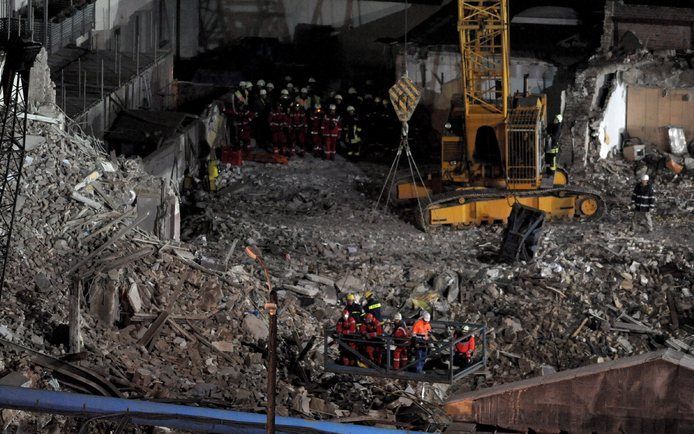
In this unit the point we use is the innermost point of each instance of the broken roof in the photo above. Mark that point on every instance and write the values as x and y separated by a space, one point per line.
143 126
646 393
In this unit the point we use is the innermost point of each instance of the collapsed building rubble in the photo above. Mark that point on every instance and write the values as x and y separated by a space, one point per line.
184 321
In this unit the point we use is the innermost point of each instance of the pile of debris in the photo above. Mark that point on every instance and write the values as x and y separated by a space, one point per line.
595 292
136 316
184 321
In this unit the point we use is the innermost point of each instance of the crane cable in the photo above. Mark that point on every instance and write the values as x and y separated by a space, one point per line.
415 174
404 147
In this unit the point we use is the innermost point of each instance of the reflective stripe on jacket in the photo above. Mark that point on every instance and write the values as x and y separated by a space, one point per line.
643 197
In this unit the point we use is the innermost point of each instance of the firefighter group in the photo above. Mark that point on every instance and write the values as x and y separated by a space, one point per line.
366 337
295 120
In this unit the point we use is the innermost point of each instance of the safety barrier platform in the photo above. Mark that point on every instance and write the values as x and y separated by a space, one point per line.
441 365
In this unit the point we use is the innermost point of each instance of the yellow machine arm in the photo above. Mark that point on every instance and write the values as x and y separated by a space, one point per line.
484 46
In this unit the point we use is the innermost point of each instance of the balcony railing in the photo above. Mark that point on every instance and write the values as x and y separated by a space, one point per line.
61 31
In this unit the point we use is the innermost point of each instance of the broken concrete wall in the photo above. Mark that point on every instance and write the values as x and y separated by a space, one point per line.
433 68
41 87
656 27
613 123
593 109
436 70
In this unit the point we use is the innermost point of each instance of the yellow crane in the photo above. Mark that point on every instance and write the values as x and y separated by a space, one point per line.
492 149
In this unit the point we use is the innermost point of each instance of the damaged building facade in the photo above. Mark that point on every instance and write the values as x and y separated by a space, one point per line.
638 91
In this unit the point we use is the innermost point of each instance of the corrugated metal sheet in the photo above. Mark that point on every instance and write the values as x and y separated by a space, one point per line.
650 393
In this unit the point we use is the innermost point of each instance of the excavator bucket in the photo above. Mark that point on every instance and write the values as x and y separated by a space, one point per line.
522 234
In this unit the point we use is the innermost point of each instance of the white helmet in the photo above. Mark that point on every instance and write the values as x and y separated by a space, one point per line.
351 91
249 85
290 86
270 86
397 317
466 328
645 177
558 118
284 92
287 78
242 85
350 108
338 96
311 80
377 99
260 83
332 107
304 90
263 92
426 316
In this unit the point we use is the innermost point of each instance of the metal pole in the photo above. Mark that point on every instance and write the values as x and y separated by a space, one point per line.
30 19
79 76
62 88
104 120
45 25
271 307
137 68
178 30
84 95
272 364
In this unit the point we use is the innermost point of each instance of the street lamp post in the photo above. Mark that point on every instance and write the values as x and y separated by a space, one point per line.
271 308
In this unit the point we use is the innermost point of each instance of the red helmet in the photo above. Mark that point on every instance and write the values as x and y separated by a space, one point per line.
369 318
345 313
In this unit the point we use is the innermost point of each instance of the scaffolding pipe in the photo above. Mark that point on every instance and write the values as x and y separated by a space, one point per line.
174 416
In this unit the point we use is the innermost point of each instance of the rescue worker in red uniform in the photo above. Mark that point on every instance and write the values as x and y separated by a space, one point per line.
371 329
347 327
297 128
465 349
331 128
315 122
402 340
279 122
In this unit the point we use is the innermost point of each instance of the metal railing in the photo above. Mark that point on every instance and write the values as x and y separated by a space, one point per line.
440 362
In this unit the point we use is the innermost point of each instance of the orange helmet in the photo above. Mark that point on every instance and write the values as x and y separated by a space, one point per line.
369 318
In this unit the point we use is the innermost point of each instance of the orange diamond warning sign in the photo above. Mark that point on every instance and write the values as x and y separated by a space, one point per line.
404 95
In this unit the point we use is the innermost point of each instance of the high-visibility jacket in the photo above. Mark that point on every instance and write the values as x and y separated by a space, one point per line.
466 347
355 310
643 197
346 326
372 330
373 307
212 169
421 328
551 157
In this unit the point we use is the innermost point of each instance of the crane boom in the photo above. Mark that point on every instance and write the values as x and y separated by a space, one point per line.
484 46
